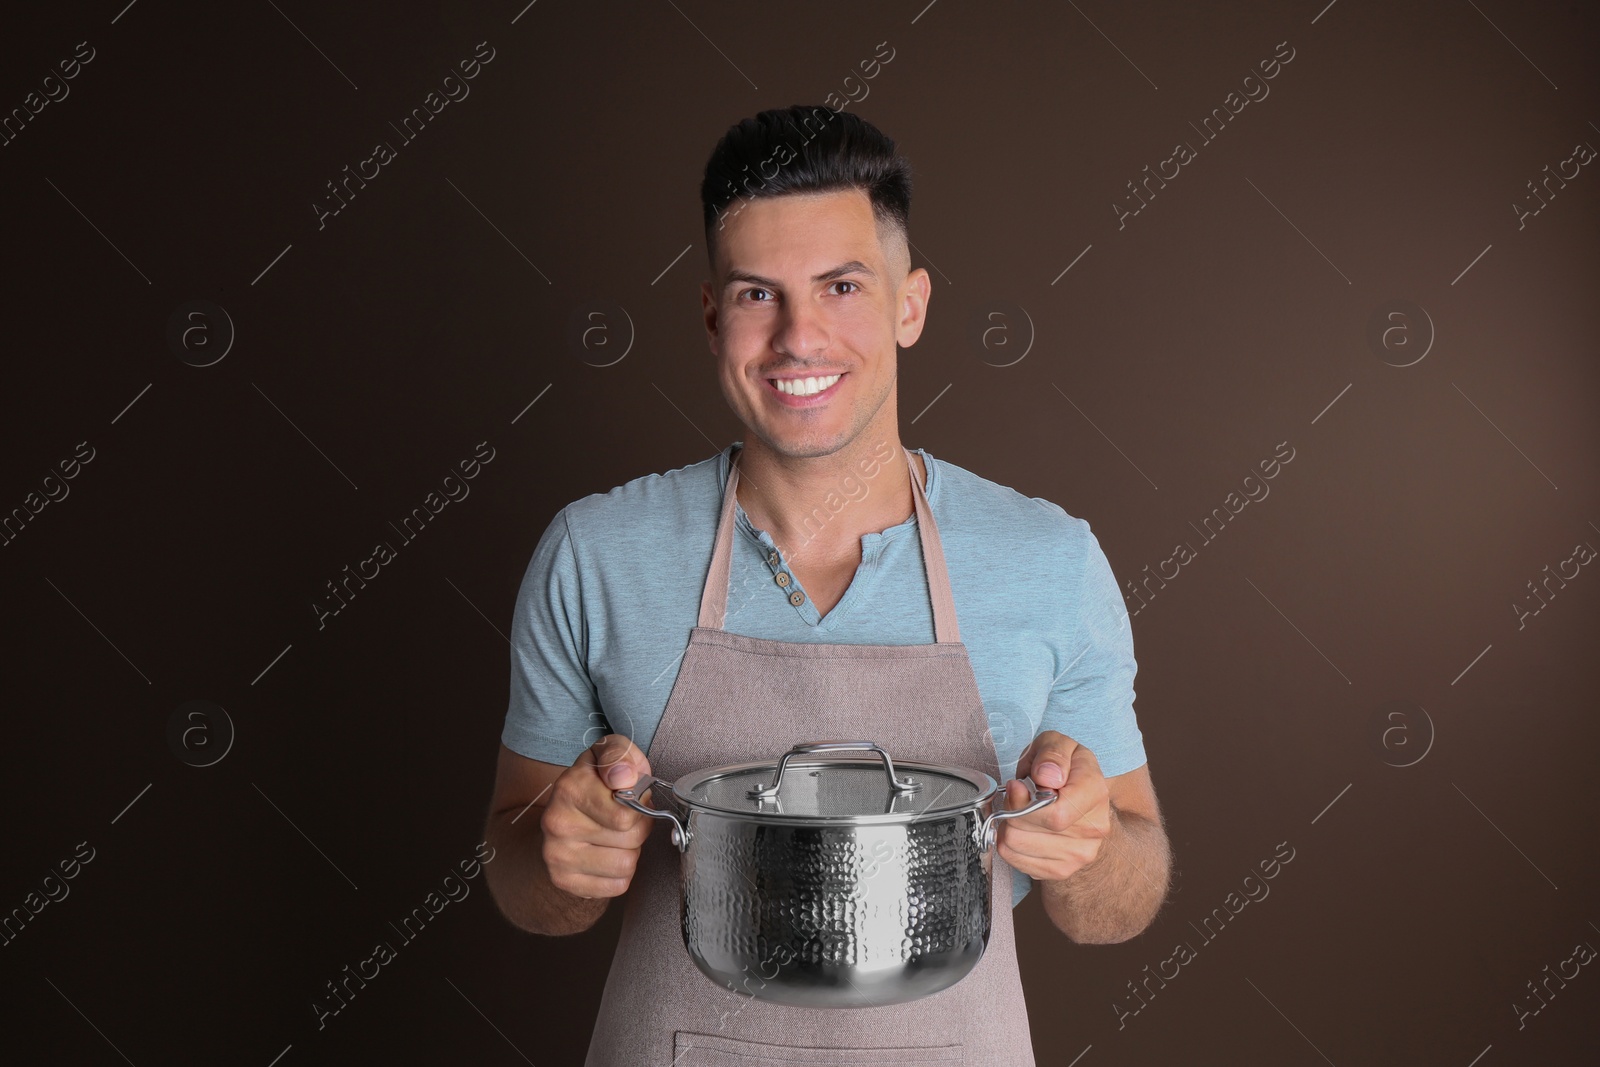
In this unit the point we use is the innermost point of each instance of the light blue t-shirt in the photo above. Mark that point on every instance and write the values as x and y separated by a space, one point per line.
607 602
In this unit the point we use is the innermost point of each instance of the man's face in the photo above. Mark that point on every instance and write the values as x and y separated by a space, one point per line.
806 288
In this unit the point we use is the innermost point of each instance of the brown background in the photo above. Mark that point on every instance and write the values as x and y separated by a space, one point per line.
378 351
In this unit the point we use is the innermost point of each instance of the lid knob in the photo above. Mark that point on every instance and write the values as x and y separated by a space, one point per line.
770 792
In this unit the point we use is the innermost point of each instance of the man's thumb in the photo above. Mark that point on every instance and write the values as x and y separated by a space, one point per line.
619 761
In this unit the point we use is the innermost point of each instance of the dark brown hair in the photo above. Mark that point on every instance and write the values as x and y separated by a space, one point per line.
804 149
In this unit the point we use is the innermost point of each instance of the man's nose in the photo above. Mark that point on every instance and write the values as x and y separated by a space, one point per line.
802 329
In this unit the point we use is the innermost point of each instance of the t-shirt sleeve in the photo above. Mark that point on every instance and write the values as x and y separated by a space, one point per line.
1092 700
553 713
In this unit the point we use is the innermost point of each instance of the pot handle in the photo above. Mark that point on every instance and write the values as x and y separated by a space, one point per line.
1040 798
770 792
630 797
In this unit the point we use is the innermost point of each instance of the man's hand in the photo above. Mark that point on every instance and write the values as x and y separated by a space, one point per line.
591 842
1059 839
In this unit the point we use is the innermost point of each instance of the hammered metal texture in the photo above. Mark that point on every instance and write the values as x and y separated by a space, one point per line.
846 916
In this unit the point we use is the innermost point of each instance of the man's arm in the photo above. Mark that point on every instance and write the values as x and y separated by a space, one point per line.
520 883
564 847
568 846
1117 894
1100 852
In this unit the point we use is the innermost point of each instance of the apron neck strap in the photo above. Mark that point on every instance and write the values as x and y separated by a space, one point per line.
714 598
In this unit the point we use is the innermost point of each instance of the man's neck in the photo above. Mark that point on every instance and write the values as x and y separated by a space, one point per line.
818 509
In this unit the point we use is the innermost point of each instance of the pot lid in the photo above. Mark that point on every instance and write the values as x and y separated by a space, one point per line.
837 782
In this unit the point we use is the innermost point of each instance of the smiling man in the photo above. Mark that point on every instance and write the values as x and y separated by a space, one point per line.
700 617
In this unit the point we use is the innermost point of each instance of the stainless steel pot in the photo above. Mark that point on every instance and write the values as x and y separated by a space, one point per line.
832 880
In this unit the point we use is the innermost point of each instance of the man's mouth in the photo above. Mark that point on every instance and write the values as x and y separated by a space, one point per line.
804 387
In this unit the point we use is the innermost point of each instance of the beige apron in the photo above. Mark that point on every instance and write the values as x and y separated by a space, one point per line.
741 698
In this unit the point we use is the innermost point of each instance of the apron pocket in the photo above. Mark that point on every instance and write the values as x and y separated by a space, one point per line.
711 1050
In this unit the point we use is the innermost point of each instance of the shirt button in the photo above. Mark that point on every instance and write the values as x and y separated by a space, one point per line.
781 578
773 558
797 598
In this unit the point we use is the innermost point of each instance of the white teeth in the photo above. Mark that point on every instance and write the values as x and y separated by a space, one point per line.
804 386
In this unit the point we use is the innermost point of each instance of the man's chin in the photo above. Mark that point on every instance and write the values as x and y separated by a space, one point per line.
803 446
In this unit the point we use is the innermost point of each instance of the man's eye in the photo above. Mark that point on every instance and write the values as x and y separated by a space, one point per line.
855 287
750 292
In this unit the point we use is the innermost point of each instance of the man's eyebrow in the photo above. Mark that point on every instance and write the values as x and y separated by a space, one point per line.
854 266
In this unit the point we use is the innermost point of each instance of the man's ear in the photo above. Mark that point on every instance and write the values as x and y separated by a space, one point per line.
913 307
708 314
